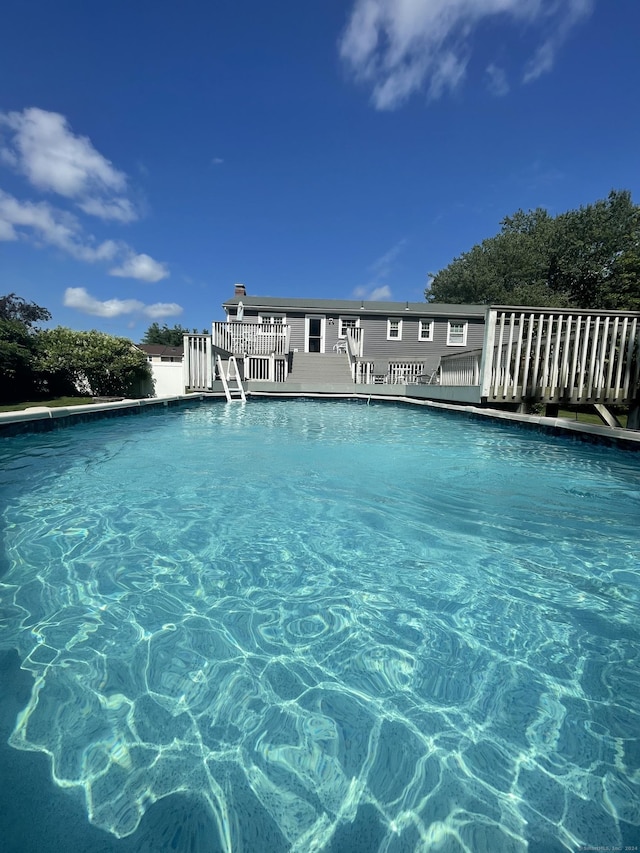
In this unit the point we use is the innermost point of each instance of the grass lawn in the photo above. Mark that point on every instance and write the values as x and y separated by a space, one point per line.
59 401
589 417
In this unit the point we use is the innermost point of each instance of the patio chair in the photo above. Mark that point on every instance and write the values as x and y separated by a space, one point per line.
431 375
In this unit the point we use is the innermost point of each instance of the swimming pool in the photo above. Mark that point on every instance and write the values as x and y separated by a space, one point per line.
324 627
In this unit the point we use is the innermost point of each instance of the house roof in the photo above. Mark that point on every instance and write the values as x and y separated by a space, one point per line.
357 306
161 350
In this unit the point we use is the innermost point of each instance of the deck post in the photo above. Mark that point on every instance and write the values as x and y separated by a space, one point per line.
487 352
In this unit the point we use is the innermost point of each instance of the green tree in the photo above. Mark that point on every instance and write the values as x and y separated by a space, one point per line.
18 339
170 337
92 363
585 258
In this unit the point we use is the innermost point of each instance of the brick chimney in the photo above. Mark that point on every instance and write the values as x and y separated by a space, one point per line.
240 290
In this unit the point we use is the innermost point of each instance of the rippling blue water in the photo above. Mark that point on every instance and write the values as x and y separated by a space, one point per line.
340 627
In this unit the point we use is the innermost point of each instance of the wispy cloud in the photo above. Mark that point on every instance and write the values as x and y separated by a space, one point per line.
51 226
496 80
373 294
383 265
377 290
217 161
401 47
41 146
43 224
542 61
378 294
78 298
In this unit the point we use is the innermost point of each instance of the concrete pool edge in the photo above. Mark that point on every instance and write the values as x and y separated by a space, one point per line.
42 418
39 418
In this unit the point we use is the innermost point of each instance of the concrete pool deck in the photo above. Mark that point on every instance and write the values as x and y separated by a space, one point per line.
41 418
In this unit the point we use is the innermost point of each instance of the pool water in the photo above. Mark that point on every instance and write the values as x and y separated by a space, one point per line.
326 626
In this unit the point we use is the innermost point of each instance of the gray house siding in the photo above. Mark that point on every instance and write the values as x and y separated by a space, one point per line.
373 321
409 348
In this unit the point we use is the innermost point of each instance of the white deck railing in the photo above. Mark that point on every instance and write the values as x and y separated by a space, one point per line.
252 338
354 339
405 372
263 368
554 355
198 370
461 369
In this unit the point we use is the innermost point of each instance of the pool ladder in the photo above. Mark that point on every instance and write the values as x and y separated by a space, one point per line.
230 389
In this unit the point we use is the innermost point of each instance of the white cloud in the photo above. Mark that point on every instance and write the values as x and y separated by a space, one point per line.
119 209
162 309
46 224
496 80
379 294
544 58
400 47
42 223
373 294
141 267
381 268
383 265
43 148
217 161
78 298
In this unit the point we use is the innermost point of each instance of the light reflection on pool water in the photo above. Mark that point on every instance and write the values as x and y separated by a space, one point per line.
342 627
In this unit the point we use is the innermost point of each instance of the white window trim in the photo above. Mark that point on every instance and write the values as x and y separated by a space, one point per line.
464 325
341 331
429 336
391 337
268 318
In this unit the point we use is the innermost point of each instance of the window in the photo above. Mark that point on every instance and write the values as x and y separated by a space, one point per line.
347 323
273 319
425 330
394 330
457 334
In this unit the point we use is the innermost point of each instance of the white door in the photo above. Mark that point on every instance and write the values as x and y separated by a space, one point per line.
314 331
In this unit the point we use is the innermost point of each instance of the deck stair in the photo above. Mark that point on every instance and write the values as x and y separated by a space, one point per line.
310 369
231 381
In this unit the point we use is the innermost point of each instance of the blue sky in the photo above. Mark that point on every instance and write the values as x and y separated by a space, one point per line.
152 154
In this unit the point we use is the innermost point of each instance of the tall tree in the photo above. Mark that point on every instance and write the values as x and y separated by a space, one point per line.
18 337
585 258
169 337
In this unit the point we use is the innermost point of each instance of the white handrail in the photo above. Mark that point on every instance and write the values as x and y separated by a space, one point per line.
252 338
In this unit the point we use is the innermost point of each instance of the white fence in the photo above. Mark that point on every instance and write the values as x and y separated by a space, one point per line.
168 378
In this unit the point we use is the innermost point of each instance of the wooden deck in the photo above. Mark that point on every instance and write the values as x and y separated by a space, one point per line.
529 356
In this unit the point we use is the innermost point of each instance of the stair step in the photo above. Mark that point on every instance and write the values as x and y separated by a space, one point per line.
320 368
